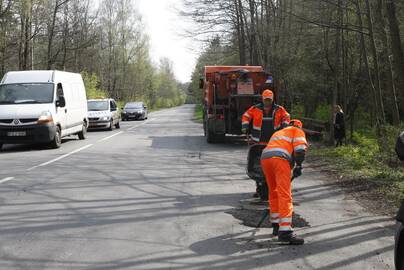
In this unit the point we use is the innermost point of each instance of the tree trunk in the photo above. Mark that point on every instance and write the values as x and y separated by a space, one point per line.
366 60
385 64
379 97
240 31
337 70
397 50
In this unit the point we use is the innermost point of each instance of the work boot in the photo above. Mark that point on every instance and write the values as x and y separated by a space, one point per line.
290 238
275 229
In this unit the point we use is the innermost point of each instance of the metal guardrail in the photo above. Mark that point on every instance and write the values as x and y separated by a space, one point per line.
314 128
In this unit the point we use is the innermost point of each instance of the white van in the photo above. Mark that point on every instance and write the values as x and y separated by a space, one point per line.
42 107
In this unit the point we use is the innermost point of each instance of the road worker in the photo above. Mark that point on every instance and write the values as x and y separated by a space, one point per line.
266 118
286 148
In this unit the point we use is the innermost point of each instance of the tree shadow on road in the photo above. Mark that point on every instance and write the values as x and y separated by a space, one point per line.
196 143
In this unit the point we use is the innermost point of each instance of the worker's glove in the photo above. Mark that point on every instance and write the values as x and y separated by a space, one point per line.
297 171
244 130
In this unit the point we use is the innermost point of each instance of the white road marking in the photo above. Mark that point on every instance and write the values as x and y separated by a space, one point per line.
109 137
78 150
6 179
61 157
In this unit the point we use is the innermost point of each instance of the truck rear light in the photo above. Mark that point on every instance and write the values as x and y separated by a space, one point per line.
220 116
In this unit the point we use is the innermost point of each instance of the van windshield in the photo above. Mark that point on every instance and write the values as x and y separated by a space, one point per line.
98 105
26 93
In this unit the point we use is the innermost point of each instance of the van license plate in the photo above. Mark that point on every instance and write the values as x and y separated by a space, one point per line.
17 134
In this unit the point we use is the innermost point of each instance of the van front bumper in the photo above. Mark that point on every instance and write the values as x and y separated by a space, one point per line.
27 134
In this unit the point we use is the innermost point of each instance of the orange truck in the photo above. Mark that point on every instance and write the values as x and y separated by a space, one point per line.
228 92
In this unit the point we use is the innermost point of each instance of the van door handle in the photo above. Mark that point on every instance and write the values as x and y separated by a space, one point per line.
65 110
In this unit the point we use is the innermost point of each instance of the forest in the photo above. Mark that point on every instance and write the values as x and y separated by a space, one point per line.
104 40
321 53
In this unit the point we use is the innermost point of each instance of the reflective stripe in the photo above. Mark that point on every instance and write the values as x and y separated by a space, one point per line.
257 128
281 138
276 152
300 139
245 123
255 134
274 220
285 228
247 115
286 220
274 215
300 147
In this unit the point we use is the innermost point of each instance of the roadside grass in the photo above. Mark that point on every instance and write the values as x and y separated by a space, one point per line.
367 163
198 114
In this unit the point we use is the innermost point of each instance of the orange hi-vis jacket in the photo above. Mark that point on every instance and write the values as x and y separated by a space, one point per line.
285 144
279 118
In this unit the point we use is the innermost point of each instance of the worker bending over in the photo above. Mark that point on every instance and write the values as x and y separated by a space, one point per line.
286 148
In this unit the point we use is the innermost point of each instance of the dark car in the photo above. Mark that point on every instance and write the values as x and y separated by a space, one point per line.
399 250
134 110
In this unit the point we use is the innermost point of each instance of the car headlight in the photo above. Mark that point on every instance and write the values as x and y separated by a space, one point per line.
105 118
124 112
45 118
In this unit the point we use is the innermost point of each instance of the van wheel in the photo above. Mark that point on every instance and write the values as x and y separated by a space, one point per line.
83 132
111 125
1 146
57 141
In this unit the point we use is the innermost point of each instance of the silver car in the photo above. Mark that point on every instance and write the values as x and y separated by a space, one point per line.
103 114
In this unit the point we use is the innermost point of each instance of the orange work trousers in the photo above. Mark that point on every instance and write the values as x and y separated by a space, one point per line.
278 176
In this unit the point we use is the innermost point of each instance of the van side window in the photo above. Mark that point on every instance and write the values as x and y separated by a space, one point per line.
59 91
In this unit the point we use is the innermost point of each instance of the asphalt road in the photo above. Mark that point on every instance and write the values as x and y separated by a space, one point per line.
155 195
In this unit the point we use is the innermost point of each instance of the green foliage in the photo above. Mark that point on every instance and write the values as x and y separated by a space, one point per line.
297 111
365 160
323 112
105 42
198 114
215 54
92 82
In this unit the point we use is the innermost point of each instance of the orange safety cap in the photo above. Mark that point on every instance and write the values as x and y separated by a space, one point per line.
268 94
296 123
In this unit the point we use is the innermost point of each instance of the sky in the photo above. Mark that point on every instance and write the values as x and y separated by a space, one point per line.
165 28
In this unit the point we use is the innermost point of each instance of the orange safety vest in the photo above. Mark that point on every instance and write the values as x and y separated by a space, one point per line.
280 117
285 143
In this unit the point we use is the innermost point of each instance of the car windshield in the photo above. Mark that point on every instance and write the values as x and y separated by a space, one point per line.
98 105
134 106
26 93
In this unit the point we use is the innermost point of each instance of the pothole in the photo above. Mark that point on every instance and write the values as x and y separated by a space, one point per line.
251 217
